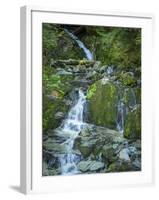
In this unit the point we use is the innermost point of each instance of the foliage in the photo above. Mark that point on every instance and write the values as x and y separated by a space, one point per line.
57 44
115 45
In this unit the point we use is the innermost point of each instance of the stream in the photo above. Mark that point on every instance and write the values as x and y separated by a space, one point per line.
72 127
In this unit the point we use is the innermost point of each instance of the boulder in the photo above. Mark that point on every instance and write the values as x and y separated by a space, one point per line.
128 79
102 108
120 166
109 153
91 166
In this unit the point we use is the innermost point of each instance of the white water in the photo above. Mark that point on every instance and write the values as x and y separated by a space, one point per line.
122 111
72 127
120 120
87 52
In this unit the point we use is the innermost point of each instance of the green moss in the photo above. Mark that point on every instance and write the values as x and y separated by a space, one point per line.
119 167
91 91
127 79
55 87
133 124
58 45
102 104
50 108
138 95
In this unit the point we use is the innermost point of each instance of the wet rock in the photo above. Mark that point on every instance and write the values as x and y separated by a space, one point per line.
103 69
85 166
128 79
59 115
120 166
137 144
45 170
54 147
91 74
124 155
109 153
133 124
64 72
137 164
103 98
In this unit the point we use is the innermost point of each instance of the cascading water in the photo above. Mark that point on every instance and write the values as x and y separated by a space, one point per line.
87 52
123 109
74 121
120 117
72 127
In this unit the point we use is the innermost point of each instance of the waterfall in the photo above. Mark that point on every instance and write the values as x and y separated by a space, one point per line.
87 52
74 121
120 117
72 127
122 109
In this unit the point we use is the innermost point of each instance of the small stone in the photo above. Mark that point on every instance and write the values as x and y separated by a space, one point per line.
59 115
123 155
90 166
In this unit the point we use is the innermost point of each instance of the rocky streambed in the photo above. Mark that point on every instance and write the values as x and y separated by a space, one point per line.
108 138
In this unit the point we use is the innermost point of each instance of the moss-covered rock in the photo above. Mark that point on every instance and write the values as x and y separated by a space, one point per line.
103 97
109 152
50 108
133 124
120 166
55 88
127 79
58 45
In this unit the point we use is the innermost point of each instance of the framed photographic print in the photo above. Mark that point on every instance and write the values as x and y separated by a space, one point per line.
86 115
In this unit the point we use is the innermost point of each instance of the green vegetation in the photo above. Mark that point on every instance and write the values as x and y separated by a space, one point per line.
58 45
115 46
55 87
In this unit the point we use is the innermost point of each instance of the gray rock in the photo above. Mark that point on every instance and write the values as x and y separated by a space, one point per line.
63 72
137 163
54 147
91 74
108 153
103 68
59 115
124 155
85 166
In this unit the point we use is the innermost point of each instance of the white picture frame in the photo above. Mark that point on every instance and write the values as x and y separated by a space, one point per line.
31 82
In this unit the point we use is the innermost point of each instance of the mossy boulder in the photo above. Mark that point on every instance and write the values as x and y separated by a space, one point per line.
120 166
128 79
133 124
103 97
109 153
